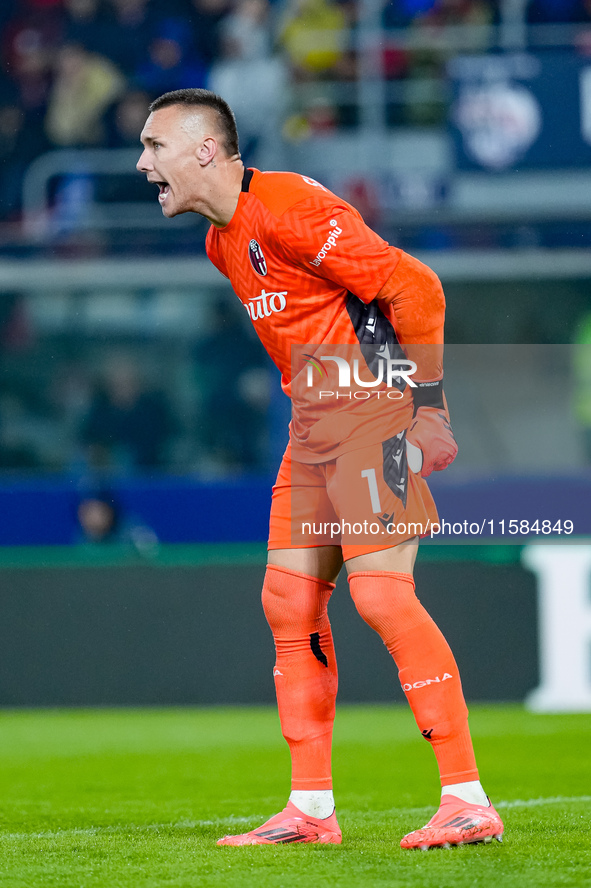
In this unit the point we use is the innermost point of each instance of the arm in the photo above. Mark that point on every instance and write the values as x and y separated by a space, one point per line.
413 300
328 239
409 294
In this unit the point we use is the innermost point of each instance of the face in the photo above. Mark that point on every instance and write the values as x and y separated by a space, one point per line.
172 159
96 517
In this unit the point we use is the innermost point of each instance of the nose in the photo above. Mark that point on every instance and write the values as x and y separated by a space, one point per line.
143 165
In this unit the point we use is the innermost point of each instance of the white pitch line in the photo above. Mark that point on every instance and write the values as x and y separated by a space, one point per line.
536 803
131 827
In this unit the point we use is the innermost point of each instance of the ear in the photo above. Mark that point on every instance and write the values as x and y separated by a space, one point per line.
207 150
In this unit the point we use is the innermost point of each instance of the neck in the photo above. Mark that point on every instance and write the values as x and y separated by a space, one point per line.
224 192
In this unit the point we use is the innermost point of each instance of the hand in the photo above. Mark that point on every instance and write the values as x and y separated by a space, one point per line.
430 431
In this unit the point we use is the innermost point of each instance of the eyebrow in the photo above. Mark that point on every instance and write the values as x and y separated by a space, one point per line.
147 139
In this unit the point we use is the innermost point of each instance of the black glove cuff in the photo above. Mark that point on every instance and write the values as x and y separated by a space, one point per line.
428 394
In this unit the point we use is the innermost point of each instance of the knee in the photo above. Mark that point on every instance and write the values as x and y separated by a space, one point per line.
278 607
386 601
371 610
295 603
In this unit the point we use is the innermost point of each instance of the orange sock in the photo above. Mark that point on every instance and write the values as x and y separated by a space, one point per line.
426 667
305 671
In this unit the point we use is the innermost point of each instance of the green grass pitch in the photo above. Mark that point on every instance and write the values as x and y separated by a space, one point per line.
138 798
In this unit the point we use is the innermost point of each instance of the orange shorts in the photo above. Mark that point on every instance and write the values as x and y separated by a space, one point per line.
363 501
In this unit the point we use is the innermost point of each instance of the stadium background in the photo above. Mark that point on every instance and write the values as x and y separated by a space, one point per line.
140 424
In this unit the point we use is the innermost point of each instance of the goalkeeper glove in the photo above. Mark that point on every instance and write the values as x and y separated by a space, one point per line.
430 429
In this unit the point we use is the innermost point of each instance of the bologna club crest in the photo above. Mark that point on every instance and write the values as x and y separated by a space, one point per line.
257 260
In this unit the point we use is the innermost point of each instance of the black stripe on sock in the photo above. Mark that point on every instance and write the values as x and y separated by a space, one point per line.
316 649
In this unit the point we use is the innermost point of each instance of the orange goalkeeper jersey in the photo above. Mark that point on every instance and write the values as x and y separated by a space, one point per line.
307 270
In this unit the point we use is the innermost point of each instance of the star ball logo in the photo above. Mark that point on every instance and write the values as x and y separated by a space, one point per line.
257 259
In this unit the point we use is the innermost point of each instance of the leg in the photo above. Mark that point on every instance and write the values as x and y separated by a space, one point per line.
298 584
297 587
295 604
382 588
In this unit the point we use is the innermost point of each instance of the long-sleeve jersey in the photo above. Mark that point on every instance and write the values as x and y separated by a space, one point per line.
308 271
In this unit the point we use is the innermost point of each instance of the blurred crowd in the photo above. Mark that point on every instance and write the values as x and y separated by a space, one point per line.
81 73
93 407
100 407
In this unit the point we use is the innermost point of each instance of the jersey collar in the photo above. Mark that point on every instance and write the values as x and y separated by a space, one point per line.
246 179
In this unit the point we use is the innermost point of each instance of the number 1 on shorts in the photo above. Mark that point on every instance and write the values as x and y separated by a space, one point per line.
374 493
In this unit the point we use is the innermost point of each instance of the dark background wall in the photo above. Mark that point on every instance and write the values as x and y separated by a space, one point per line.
152 634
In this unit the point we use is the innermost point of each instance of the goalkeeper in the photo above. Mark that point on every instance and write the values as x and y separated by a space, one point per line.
355 327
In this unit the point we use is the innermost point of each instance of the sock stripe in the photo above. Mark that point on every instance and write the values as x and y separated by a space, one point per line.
316 649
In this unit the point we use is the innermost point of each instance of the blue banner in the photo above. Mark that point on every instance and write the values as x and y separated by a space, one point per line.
521 110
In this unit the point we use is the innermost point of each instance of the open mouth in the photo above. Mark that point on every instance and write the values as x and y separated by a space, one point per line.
164 188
